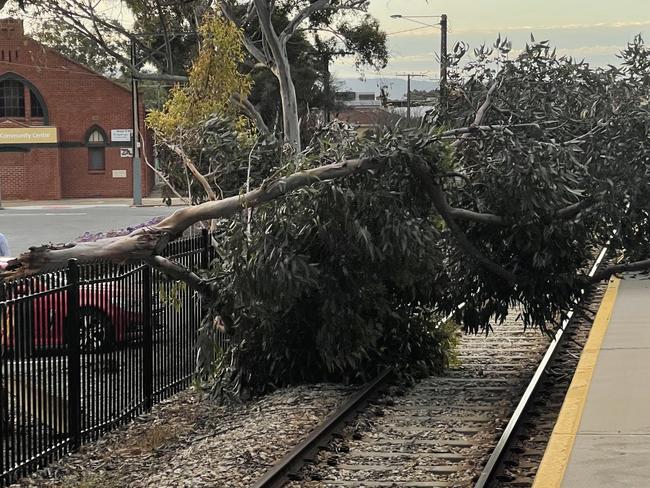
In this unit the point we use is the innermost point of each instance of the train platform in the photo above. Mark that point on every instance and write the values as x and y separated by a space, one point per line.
602 435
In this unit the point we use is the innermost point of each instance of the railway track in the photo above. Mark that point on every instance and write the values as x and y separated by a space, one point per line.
440 431
484 424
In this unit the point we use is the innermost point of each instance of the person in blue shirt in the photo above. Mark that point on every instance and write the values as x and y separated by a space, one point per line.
4 246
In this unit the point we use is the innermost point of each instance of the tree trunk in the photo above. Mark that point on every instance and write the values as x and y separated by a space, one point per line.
282 71
290 119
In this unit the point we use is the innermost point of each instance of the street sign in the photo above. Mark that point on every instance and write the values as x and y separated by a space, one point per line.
121 135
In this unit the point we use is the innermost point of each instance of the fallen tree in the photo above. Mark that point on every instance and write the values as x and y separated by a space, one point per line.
547 158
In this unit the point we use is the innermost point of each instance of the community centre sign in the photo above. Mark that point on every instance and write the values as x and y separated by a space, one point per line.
28 135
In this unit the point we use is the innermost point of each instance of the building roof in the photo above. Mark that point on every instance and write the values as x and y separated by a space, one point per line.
366 117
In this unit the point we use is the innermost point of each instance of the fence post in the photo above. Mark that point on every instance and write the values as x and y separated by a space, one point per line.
147 342
205 248
73 325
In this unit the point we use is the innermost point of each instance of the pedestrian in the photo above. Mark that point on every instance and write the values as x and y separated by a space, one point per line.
4 246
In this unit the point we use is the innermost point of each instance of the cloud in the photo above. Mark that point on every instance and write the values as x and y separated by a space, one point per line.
534 28
433 31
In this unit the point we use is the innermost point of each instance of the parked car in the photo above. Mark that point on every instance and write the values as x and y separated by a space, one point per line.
109 314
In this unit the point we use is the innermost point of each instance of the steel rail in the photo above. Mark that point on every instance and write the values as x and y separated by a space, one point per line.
494 462
279 474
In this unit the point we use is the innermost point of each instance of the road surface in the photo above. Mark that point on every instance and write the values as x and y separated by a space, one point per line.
35 225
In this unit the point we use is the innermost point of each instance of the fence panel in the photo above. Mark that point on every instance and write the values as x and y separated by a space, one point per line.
88 348
34 423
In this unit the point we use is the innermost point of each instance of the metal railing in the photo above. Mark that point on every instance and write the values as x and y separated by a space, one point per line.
88 348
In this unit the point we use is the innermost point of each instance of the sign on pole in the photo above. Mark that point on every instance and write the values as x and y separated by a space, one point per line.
121 135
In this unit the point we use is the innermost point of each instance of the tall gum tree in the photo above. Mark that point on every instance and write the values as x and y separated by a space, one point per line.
270 25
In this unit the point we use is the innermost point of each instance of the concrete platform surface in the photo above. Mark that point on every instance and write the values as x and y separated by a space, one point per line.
602 438
612 445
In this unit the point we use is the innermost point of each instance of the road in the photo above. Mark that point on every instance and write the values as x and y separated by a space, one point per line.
35 225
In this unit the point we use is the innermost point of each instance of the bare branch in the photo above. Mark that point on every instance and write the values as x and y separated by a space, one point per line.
194 170
300 17
159 77
482 111
178 272
481 218
572 210
161 175
465 132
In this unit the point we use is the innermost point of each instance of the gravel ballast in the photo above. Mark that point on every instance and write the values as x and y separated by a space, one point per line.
190 441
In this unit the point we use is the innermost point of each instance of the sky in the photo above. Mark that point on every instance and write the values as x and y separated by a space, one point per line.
593 30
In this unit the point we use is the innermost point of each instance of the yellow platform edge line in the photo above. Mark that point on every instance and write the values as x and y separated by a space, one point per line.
558 451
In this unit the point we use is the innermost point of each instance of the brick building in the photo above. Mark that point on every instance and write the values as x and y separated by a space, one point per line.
65 131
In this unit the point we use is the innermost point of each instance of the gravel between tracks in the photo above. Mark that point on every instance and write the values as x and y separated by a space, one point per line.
189 441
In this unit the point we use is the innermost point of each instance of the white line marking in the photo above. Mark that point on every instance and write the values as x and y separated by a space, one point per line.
42 214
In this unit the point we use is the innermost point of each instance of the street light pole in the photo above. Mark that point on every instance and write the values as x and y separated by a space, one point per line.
443 66
443 52
137 169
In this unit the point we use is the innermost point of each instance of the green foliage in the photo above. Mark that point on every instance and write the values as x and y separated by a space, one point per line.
223 153
342 278
334 282
586 147
213 78
367 41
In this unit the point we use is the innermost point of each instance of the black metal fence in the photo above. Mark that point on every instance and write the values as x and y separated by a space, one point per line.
87 348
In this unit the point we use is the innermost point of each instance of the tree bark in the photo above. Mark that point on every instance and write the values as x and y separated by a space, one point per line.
290 120
282 71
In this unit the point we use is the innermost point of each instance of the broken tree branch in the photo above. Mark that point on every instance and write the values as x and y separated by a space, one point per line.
179 272
423 173
146 242
616 269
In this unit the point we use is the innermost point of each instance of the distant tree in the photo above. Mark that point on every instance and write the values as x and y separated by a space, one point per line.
270 29
67 40
421 95
106 29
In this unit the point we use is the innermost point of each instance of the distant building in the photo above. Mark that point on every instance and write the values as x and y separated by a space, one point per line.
65 131
363 111
358 99
365 120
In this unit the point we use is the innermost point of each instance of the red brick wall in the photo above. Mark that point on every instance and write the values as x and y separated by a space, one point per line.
12 174
76 99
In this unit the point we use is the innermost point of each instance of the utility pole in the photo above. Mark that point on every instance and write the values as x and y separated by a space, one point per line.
137 169
443 66
408 93
327 57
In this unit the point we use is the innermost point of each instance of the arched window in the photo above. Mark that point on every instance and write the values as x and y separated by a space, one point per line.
96 142
12 99
16 95
36 107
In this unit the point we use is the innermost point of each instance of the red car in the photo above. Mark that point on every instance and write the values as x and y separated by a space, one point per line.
108 315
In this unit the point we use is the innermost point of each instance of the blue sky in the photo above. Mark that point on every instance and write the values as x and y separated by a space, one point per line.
593 30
